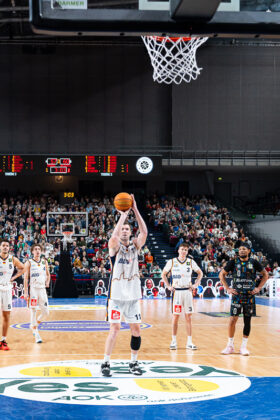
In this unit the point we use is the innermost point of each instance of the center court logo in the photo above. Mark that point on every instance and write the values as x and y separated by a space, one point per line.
80 382
76 326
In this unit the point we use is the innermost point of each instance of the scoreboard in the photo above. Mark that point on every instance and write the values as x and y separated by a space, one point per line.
79 165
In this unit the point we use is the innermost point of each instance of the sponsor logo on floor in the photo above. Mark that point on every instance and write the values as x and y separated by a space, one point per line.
76 326
80 382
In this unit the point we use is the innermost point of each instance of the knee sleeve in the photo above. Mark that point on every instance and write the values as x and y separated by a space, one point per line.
33 318
135 343
247 326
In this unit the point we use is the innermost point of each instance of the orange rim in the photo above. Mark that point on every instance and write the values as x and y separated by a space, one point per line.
169 38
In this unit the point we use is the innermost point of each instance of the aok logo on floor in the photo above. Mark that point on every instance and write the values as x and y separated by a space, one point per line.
80 382
76 326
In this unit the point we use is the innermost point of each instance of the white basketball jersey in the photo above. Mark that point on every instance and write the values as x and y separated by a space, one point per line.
6 271
181 272
125 280
38 273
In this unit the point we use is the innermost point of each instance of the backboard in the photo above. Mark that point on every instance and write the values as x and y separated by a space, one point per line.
67 221
232 18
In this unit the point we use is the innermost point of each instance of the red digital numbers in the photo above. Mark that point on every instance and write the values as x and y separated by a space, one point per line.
16 164
101 164
60 166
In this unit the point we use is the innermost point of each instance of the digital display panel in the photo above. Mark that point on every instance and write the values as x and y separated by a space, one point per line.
58 166
106 164
83 165
16 164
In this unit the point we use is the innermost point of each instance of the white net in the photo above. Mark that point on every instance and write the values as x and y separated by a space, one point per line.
173 59
67 239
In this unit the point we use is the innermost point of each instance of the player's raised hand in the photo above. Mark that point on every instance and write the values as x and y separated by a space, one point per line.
125 213
134 205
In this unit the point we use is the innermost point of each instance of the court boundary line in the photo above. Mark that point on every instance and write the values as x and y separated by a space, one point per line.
162 354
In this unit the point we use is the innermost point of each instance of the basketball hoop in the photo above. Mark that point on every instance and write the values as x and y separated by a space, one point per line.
67 238
174 59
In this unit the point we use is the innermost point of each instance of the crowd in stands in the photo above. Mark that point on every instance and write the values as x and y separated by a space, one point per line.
209 230
23 222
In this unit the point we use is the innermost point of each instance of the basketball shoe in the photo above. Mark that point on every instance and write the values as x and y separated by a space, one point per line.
191 346
228 350
38 339
173 345
135 368
4 346
244 351
105 369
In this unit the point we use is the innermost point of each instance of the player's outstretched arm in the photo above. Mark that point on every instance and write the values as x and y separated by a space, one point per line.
143 231
20 269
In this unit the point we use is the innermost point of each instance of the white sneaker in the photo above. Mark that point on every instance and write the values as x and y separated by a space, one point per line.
244 352
228 350
173 345
191 346
38 338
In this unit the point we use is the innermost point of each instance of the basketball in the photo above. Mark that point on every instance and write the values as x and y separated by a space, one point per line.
123 201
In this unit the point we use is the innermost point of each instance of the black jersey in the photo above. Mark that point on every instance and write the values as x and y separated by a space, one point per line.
244 273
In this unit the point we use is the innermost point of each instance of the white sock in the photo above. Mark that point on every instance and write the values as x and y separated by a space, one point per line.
174 338
230 341
134 357
106 358
244 342
189 340
3 338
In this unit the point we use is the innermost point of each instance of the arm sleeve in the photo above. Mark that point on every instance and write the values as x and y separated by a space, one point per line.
168 266
229 266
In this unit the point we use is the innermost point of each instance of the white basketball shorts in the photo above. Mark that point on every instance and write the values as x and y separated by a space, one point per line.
182 299
38 297
6 298
130 309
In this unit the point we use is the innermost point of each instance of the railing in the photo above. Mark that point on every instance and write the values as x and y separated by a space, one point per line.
253 158
178 156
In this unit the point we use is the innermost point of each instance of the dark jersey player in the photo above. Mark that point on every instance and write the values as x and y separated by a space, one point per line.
244 271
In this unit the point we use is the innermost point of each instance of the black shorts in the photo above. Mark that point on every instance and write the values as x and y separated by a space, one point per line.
243 304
